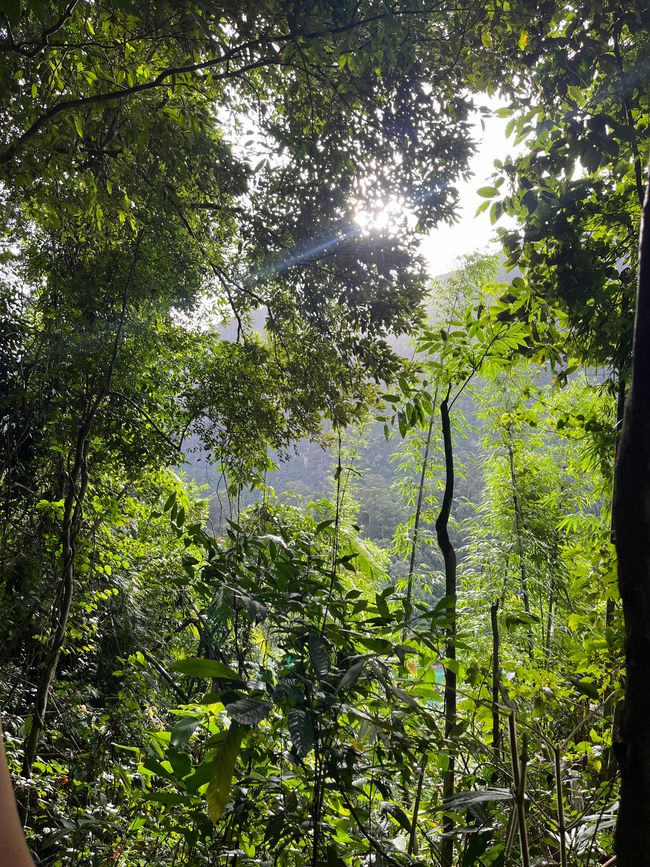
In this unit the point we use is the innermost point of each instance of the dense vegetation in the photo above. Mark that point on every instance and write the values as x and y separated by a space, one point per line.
417 654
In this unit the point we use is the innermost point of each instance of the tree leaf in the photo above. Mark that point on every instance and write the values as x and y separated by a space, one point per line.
196 667
318 655
398 814
183 730
529 201
249 711
301 731
351 675
487 192
222 771
463 800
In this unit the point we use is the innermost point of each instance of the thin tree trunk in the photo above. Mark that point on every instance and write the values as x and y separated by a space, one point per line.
518 526
413 847
559 791
519 768
72 514
632 533
550 617
449 556
496 682
418 511
76 486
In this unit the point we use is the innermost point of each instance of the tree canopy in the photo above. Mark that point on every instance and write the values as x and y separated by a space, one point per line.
425 658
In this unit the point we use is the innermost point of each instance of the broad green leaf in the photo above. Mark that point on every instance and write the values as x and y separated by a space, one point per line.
529 201
249 711
183 730
301 731
487 192
223 769
398 814
196 667
169 799
318 655
200 777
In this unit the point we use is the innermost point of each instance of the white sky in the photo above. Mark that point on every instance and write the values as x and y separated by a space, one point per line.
447 243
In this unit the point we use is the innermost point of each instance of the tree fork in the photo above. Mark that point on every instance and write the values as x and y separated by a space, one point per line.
632 533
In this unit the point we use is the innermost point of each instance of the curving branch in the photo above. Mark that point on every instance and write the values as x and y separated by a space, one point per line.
266 43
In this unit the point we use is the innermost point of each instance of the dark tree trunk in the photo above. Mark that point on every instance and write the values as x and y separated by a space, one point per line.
518 525
496 684
632 533
73 507
449 556
418 513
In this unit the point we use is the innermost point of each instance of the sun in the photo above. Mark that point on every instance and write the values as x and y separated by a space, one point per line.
389 215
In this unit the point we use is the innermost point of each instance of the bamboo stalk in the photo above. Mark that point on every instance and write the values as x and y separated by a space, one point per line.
519 786
560 806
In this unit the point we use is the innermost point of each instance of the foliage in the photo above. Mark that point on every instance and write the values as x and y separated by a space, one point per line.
182 268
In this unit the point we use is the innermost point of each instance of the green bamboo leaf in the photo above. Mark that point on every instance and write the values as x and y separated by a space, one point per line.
463 800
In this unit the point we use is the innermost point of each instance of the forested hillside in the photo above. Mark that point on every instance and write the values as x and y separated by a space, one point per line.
307 558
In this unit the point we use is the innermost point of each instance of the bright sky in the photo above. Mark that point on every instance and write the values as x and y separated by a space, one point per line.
447 243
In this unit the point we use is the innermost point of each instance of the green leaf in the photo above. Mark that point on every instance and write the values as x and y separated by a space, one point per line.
591 158
183 730
318 655
495 212
196 667
201 776
575 93
301 731
169 799
487 192
274 828
249 711
398 814
529 201
222 772
181 763
523 619
158 768
463 800
351 675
